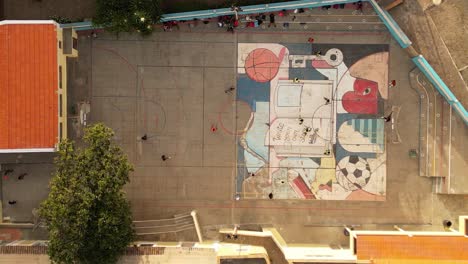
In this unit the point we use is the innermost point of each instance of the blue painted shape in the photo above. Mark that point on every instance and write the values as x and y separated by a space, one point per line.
298 48
379 133
375 133
289 95
366 131
257 133
370 128
251 91
443 89
361 126
241 169
374 128
357 125
80 26
252 163
307 73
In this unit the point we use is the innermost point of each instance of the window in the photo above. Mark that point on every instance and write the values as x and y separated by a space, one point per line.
60 106
60 77
75 43
60 131
60 44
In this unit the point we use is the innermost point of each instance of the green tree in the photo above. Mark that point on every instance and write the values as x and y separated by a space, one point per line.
127 15
86 213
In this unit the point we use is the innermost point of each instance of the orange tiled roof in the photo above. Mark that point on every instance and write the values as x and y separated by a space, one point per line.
28 84
412 248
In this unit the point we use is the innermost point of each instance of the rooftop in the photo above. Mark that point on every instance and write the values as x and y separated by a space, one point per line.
28 84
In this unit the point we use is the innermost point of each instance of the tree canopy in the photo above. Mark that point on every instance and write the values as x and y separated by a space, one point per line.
127 15
86 213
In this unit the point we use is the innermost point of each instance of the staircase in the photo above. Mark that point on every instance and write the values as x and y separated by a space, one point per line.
178 223
437 123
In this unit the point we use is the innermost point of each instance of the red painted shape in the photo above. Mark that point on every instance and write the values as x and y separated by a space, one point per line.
302 187
325 187
262 65
363 100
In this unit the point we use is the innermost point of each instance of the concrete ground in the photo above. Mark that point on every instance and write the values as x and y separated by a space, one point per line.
171 85
30 191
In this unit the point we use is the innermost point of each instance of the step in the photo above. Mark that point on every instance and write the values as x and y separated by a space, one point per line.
434 132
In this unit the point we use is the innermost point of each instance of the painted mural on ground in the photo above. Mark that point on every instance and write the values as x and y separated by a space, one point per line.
315 129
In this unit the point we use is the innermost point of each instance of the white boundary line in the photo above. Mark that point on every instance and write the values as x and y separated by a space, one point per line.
31 150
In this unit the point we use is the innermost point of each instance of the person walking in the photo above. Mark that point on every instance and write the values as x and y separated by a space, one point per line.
387 118
313 137
272 20
230 90
6 173
359 6
21 176
164 157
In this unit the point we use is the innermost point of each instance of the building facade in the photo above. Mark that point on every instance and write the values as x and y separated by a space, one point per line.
33 84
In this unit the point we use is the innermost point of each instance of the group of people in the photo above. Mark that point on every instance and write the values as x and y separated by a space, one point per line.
20 177
358 5
232 21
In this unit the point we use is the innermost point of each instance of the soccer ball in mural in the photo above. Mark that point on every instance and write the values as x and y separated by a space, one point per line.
353 173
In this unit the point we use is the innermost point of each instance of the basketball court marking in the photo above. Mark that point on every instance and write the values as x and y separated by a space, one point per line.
290 101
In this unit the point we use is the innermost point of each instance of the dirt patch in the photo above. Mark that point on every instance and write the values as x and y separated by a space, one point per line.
451 23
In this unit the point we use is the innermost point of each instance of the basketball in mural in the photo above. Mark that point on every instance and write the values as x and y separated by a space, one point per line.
261 65
353 173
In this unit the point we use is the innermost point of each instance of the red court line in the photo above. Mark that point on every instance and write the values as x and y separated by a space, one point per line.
220 119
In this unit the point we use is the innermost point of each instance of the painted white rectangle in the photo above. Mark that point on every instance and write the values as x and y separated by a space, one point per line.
32 150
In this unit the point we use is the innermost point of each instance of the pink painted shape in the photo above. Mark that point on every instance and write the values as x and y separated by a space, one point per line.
361 101
281 55
320 64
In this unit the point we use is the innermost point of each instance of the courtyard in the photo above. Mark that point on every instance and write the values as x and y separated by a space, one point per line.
174 87
281 127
